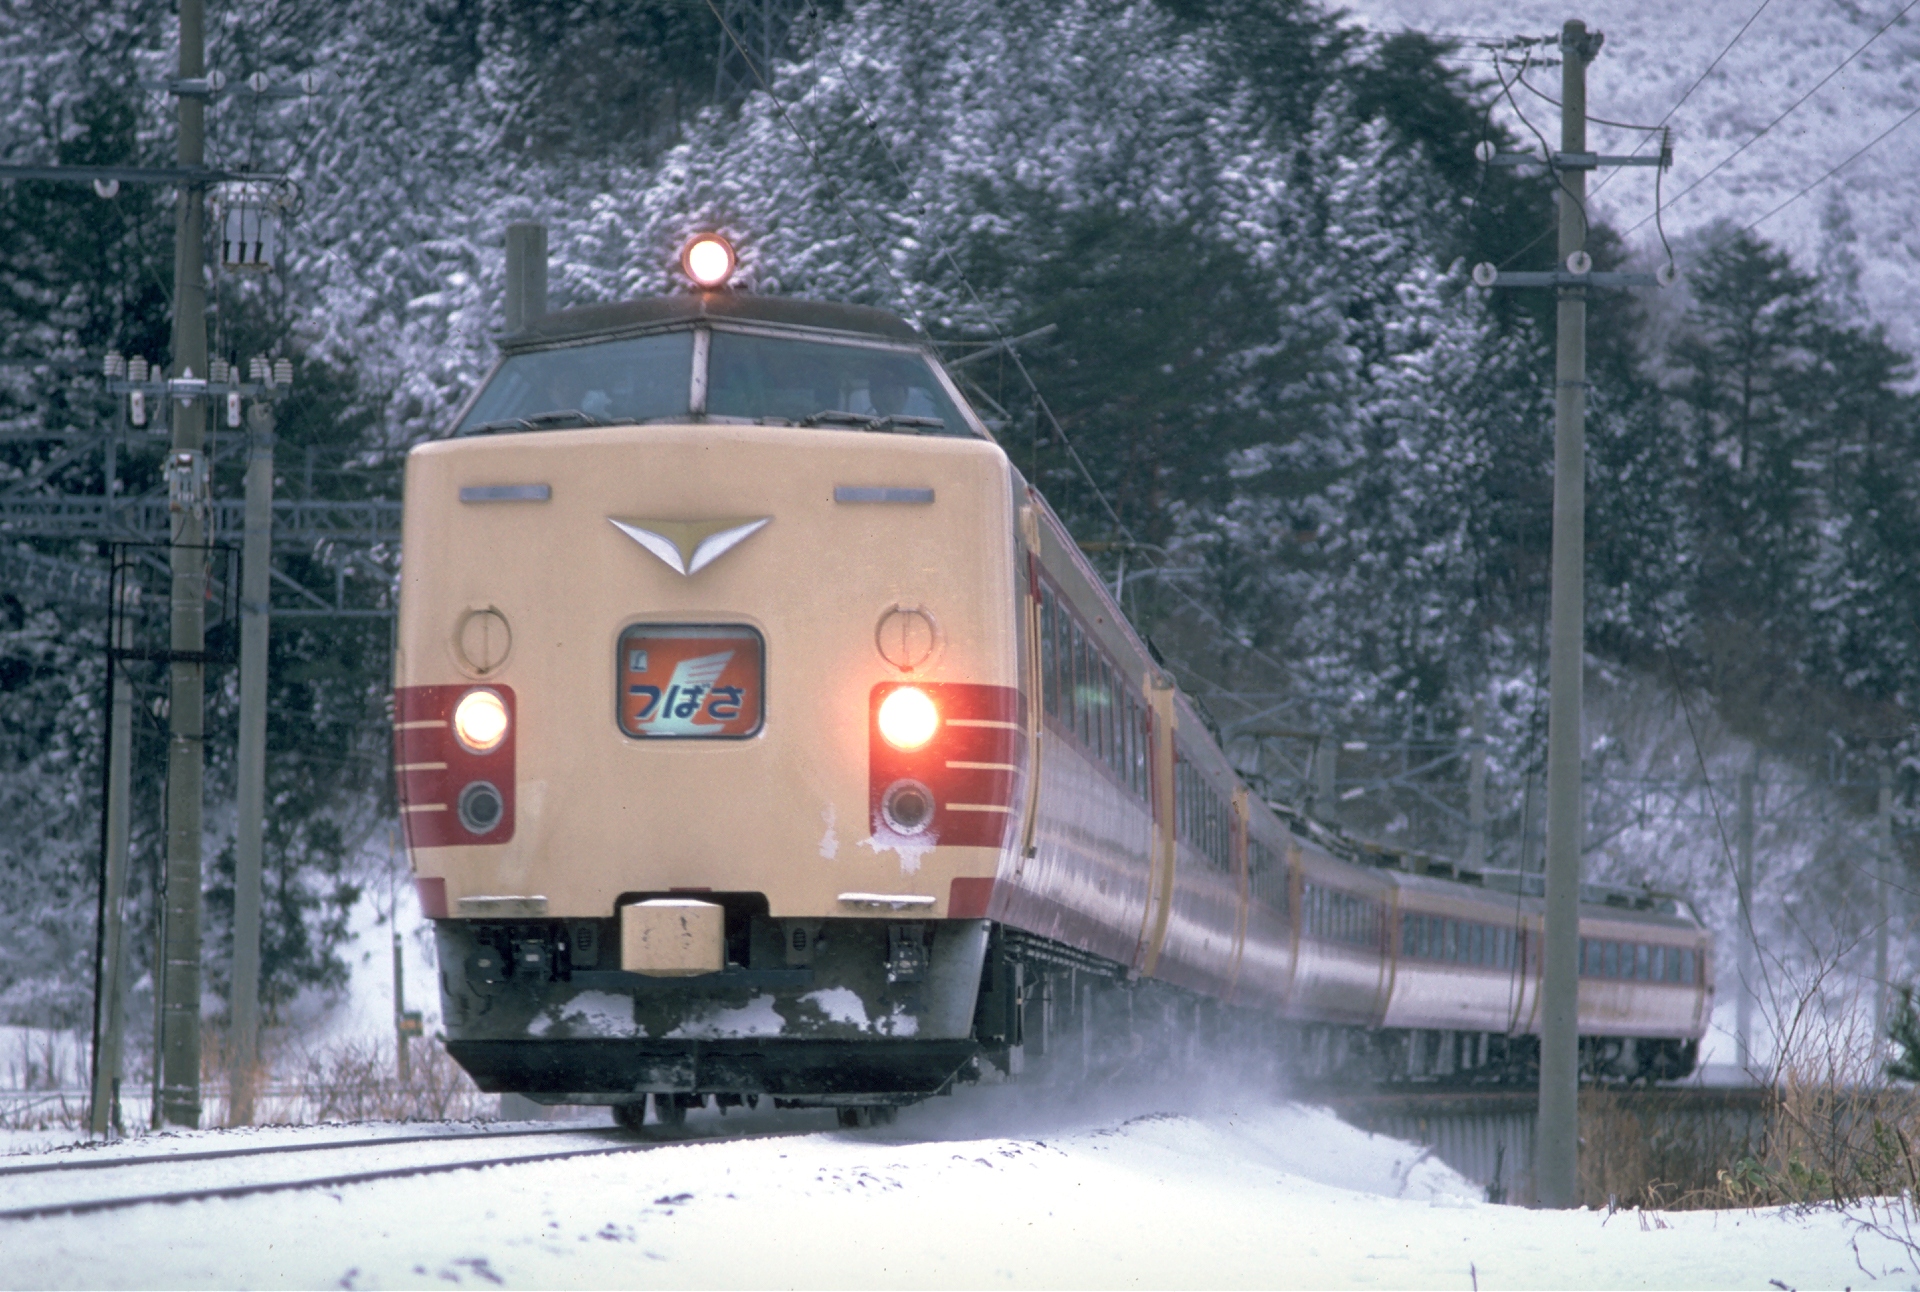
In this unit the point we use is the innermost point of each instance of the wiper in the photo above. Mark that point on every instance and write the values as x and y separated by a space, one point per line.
538 422
896 421
836 417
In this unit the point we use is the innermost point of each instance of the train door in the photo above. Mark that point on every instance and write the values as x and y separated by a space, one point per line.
1238 838
1166 840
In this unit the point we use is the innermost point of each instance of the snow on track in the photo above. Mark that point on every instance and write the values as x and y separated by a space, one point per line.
1269 1197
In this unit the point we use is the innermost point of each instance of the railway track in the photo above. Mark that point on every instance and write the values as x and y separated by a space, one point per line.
84 1186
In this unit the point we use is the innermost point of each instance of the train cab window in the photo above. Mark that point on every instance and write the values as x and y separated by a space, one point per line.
1640 961
1686 966
818 383
635 379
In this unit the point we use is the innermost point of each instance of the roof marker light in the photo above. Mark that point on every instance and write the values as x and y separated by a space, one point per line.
709 261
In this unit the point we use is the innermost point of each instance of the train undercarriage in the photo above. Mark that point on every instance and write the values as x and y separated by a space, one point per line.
866 1016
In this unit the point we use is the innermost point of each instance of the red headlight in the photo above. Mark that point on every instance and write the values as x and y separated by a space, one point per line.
908 718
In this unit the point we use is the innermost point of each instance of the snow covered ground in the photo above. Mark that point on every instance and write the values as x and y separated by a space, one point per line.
981 1190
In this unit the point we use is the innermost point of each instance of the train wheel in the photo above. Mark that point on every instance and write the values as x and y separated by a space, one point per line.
668 1111
630 1116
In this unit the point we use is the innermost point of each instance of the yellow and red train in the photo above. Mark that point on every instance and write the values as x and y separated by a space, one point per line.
760 731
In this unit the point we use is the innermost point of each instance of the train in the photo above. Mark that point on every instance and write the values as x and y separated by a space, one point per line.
760 732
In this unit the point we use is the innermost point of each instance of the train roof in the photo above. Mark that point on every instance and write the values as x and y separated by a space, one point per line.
1409 863
589 321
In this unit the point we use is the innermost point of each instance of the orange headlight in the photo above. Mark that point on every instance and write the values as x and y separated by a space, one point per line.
908 718
480 721
708 260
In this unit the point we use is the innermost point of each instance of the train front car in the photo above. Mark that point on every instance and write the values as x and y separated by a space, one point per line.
708 707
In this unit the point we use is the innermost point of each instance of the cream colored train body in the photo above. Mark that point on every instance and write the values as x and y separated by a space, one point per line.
657 590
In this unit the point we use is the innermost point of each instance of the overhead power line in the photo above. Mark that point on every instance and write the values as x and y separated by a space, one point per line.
1698 81
1719 165
1857 153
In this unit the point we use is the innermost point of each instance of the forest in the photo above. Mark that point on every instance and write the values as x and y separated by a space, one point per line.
1260 385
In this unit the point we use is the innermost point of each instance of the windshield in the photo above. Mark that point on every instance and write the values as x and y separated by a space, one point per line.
817 383
757 378
639 379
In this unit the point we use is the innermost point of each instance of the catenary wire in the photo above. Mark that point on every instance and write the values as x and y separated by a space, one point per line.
1788 111
1506 88
1598 121
1696 257
1698 81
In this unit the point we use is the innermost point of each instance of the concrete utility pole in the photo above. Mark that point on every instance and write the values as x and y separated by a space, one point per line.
1749 954
256 556
1556 1171
109 1028
187 496
1476 857
1882 904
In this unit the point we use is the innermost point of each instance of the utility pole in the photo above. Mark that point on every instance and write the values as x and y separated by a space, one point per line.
255 566
1882 912
1749 954
1476 858
109 1022
1326 757
1555 1174
1556 1165
187 498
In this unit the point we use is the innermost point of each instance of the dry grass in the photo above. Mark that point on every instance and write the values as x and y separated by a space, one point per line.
1825 1130
1665 1150
347 1082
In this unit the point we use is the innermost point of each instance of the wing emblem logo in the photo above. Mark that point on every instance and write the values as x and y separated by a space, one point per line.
690 546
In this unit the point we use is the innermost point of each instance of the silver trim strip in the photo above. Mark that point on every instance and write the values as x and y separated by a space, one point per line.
506 493
864 493
697 392
894 900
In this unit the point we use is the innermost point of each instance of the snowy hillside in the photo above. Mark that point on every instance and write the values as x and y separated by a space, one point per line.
1655 51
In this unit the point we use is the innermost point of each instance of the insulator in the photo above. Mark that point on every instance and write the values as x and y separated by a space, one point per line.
217 370
283 372
258 370
116 365
136 369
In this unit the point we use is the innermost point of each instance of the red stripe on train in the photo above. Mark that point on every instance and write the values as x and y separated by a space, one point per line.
975 765
431 768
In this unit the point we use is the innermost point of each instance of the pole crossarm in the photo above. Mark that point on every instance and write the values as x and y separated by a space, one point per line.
1583 161
55 579
1564 278
190 176
298 523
